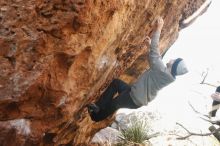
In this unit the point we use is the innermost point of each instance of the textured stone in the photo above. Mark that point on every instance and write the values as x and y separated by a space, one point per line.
106 136
58 56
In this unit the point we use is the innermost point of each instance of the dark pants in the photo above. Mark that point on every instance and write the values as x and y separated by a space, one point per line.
108 104
214 104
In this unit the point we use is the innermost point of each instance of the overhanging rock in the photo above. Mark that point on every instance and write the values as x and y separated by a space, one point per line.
58 56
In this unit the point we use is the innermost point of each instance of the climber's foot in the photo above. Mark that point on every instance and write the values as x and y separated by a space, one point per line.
93 108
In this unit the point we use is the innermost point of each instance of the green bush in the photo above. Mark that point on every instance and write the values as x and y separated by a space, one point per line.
136 133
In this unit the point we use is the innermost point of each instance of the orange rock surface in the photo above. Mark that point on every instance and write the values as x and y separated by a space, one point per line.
56 56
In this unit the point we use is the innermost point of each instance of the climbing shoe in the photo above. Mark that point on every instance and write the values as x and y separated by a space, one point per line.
93 108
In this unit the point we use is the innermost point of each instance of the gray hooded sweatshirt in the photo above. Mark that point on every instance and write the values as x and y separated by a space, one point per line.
152 80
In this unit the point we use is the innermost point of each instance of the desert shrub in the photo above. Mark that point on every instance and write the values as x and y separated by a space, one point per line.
136 133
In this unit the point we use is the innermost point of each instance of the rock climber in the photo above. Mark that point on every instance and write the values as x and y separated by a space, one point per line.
145 89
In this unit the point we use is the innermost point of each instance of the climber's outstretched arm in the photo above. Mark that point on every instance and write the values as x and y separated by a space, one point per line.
155 58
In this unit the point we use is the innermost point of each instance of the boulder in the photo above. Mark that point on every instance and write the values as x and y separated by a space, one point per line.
58 56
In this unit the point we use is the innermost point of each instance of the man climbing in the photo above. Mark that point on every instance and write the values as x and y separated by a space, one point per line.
145 88
216 102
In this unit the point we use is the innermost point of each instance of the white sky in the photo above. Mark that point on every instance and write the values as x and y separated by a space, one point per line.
199 46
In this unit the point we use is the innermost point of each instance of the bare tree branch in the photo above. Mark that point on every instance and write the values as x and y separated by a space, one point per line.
205 76
203 81
209 84
198 111
195 134
215 122
214 131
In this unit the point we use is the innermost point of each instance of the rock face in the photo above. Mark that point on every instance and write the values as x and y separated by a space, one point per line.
57 56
